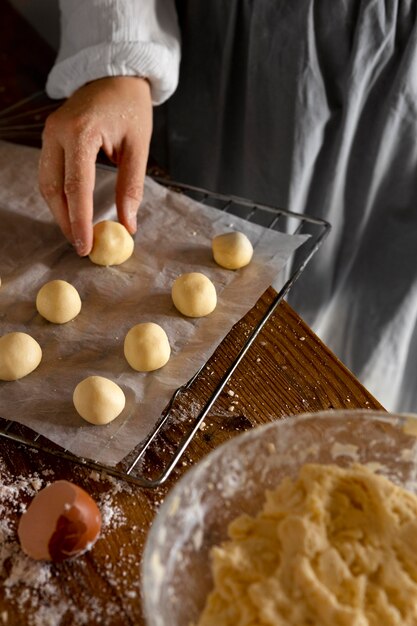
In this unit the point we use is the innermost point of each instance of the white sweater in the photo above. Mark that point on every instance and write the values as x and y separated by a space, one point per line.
117 38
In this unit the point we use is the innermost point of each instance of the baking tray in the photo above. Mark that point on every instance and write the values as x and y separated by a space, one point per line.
143 467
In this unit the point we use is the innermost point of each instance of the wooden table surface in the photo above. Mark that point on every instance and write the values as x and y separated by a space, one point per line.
287 371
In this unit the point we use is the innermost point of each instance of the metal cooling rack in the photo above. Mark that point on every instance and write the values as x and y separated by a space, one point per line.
135 468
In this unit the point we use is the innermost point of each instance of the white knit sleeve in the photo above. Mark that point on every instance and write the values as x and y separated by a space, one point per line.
117 38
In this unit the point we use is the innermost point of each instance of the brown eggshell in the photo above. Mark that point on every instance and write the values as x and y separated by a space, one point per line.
62 521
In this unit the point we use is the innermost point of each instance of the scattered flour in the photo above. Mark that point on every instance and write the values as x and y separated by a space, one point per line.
32 588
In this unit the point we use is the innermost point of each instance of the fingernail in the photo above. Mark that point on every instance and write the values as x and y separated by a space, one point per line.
131 220
80 247
132 225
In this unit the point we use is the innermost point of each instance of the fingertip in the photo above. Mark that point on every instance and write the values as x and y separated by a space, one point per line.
129 188
131 224
82 247
128 215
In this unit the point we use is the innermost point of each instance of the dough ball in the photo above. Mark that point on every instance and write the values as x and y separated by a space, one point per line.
146 347
20 354
194 295
98 400
112 244
232 250
58 301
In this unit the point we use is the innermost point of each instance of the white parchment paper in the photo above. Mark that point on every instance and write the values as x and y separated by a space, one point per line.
174 236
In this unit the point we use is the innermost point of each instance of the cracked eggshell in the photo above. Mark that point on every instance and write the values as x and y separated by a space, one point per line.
61 522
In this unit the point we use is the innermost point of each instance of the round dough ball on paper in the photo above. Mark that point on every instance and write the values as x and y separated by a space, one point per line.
232 250
58 301
194 295
112 244
98 400
146 347
20 354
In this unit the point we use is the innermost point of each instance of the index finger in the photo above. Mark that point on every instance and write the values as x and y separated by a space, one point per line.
51 184
79 181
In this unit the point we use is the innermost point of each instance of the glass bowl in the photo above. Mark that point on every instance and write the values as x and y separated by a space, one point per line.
231 480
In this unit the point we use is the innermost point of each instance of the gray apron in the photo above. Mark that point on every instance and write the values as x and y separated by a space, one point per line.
312 106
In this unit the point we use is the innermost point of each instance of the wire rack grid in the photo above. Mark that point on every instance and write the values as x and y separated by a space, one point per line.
135 468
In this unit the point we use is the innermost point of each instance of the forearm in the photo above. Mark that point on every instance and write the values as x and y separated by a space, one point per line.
117 38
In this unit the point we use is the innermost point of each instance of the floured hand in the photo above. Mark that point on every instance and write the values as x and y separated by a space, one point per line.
114 114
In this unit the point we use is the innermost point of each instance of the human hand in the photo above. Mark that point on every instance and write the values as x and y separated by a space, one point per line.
114 114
